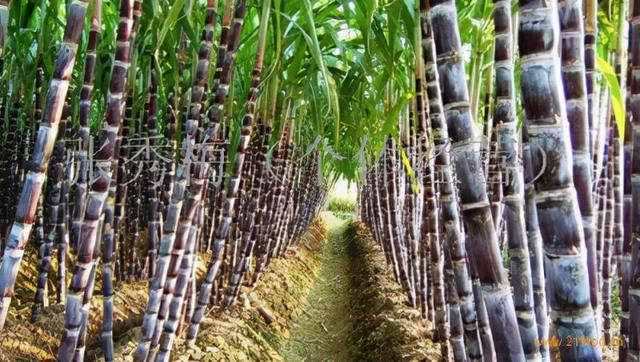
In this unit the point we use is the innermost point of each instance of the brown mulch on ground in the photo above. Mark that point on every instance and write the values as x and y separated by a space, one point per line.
388 329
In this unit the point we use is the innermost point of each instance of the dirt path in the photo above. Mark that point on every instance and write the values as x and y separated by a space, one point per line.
322 331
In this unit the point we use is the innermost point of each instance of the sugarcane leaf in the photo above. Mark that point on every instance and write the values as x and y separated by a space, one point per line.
189 30
617 103
170 20
329 82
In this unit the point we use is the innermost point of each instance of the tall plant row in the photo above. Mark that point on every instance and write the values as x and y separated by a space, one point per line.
85 192
553 188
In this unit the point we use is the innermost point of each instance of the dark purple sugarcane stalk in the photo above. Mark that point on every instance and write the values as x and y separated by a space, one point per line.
282 201
575 90
215 116
617 199
108 242
12 140
621 185
482 243
32 187
179 267
176 232
185 238
110 230
401 201
82 159
374 183
64 218
512 180
84 133
602 187
120 209
448 194
264 236
304 167
169 170
624 269
556 198
78 354
188 267
301 195
187 271
634 288
287 189
590 37
385 210
425 283
214 121
60 230
40 299
287 226
53 203
153 216
175 283
534 240
455 339
96 198
408 213
416 197
376 217
156 286
494 180
432 237
233 184
486 338
607 246
392 168
248 225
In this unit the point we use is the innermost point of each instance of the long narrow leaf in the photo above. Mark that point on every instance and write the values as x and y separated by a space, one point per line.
617 103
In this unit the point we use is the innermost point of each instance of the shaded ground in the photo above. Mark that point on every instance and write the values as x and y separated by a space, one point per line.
387 329
326 324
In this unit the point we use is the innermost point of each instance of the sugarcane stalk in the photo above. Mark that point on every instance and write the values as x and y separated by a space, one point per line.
96 198
534 240
34 180
153 216
456 339
634 285
224 226
512 180
607 248
559 217
82 159
482 243
590 38
574 81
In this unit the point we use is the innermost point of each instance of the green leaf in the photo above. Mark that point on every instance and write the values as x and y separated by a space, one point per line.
170 20
617 103
316 52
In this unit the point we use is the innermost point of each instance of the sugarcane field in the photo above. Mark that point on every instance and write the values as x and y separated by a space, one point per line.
320 180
